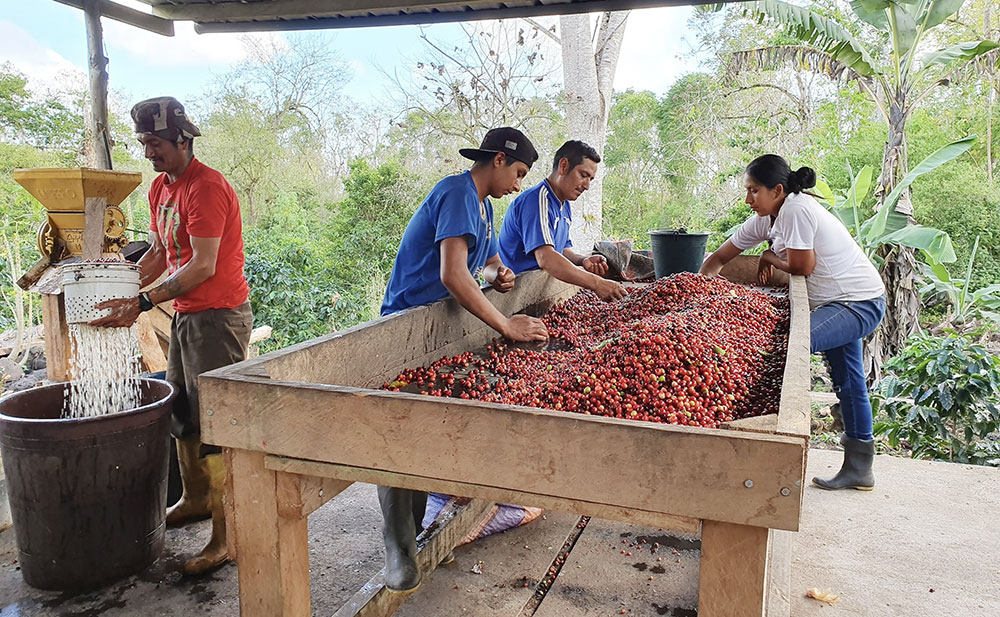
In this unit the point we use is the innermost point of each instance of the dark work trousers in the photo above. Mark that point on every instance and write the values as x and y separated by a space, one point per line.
201 342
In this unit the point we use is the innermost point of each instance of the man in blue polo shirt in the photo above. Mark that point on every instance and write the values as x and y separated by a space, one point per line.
535 231
447 246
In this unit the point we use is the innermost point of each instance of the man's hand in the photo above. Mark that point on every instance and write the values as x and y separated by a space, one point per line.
610 290
595 264
504 280
525 328
764 268
124 312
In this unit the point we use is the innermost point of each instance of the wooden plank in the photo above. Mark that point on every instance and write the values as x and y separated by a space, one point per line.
375 600
299 496
755 424
57 348
93 227
153 358
743 269
160 321
779 574
492 494
132 17
272 550
687 471
296 9
733 570
794 413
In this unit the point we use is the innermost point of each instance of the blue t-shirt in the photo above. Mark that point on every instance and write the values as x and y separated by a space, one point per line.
452 209
534 219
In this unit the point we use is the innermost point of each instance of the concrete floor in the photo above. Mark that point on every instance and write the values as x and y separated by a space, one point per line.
926 542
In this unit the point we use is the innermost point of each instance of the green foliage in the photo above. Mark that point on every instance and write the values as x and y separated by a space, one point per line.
846 206
939 396
313 269
289 287
883 222
47 125
965 305
366 232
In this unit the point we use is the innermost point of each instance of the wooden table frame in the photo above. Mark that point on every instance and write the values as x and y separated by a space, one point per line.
293 440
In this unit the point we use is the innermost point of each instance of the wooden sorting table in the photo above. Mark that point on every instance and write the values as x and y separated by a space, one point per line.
301 424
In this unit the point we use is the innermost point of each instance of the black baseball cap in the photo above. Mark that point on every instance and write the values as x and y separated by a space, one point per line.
512 142
164 117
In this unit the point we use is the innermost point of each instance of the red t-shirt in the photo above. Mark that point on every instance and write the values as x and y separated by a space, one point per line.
201 203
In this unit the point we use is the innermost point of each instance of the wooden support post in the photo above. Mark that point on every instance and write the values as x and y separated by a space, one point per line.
272 550
733 577
93 228
57 349
779 574
153 358
101 139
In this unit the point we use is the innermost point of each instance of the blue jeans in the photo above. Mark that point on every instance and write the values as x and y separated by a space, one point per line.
836 330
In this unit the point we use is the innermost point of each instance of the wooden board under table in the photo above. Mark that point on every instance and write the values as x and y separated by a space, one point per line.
302 423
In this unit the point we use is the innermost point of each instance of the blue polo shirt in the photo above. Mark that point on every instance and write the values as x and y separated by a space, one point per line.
534 219
452 209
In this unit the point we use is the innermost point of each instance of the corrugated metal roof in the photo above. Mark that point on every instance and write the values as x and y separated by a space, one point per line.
249 15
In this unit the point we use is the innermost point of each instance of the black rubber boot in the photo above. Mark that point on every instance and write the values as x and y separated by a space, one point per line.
400 535
856 472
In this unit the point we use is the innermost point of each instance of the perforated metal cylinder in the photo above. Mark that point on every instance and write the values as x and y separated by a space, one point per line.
87 284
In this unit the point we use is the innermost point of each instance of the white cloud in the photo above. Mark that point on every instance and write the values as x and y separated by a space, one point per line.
652 50
186 47
44 67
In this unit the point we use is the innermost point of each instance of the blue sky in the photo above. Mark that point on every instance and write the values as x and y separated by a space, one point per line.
45 39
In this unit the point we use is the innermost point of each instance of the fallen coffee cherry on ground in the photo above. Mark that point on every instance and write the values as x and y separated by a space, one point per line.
685 350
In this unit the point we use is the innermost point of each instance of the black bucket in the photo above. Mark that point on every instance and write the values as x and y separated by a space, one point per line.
675 250
87 496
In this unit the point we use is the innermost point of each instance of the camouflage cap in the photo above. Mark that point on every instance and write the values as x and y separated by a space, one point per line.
164 117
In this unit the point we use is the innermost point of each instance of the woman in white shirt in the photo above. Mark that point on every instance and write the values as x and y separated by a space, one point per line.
846 294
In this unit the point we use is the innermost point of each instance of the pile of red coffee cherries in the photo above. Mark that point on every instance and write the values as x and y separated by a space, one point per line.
686 350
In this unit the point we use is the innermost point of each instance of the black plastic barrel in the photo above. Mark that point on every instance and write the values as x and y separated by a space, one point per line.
675 250
87 496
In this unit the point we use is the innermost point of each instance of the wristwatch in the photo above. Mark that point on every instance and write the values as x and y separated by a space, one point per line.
145 303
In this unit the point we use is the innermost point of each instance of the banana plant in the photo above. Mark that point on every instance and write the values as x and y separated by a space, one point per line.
966 306
888 227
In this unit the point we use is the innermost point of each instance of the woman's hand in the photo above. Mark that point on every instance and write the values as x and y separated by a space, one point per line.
765 267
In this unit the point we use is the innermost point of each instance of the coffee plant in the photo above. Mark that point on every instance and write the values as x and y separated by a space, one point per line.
939 397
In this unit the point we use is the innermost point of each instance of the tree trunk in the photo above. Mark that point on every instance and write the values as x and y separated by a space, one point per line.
589 64
899 272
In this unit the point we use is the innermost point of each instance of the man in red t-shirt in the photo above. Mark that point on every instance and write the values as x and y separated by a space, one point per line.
197 236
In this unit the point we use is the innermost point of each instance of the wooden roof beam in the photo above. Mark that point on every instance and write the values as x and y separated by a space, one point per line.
465 11
292 9
132 17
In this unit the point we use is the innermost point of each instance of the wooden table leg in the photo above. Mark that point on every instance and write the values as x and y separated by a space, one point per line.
272 550
733 570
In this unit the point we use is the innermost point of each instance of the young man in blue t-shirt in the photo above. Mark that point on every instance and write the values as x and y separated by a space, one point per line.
448 244
535 231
